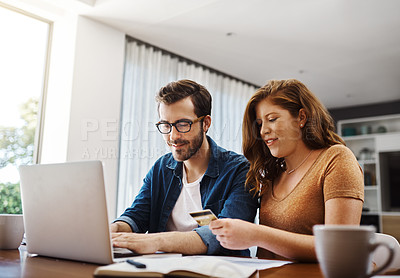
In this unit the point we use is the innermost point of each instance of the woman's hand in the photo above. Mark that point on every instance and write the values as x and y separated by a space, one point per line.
234 233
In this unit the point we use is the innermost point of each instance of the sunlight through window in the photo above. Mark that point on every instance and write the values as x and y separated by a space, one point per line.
23 50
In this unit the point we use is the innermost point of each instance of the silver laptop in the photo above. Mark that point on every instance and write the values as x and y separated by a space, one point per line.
65 211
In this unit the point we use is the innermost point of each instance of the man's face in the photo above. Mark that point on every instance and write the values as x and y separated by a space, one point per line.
183 145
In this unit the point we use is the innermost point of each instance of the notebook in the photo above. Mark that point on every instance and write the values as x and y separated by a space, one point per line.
65 211
187 266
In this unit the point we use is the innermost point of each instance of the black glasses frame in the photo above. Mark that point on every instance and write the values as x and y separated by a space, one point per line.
176 123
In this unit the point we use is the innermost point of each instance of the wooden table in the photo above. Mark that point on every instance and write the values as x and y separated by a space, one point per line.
17 263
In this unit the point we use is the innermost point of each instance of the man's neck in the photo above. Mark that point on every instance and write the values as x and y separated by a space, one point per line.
197 165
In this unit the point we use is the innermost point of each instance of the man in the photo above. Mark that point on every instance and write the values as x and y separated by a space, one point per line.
196 175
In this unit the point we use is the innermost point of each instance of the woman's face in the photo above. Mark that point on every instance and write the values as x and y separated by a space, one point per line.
279 130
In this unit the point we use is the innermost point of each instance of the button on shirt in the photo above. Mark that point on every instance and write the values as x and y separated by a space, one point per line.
222 190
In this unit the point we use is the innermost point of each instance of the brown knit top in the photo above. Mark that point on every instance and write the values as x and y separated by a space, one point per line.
334 174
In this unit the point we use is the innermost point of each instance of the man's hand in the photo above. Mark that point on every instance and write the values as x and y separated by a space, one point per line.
139 243
121 227
188 243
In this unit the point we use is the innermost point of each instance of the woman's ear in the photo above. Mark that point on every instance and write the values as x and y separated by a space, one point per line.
302 117
206 123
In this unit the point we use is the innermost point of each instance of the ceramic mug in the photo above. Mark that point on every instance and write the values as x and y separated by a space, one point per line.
346 250
11 230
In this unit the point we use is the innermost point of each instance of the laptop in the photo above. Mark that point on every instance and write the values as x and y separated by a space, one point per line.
65 211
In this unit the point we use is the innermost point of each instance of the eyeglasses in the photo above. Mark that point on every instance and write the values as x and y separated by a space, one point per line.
181 126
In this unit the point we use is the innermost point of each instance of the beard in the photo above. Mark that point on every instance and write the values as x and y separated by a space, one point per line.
190 149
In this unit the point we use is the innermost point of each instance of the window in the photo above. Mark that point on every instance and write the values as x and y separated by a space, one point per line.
23 55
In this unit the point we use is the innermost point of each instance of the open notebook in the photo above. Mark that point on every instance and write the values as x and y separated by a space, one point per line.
189 266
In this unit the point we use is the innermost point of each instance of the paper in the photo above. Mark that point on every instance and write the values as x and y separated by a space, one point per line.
258 264
191 266
188 266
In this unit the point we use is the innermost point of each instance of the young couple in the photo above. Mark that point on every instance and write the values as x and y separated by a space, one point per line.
296 165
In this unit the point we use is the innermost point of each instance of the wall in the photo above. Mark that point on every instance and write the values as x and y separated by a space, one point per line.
84 97
96 100
57 101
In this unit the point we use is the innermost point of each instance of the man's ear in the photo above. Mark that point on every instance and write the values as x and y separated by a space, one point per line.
206 123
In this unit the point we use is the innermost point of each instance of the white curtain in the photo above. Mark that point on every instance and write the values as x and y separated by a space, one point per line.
147 69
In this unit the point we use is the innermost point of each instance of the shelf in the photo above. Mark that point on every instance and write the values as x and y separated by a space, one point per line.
366 127
368 139
370 136
372 212
367 161
370 120
391 213
360 137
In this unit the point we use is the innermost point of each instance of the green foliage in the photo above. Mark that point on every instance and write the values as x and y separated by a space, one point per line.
10 198
17 148
17 143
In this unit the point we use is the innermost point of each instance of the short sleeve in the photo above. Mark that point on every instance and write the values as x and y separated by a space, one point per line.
343 175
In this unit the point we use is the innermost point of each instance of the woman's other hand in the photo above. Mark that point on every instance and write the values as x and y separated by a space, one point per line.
234 233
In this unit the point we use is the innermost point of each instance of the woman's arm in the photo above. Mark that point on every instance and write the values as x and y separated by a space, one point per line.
237 234
345 211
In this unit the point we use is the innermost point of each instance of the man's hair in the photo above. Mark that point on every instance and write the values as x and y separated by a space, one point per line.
178 90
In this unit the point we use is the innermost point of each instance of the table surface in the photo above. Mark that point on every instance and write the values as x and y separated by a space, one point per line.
17 263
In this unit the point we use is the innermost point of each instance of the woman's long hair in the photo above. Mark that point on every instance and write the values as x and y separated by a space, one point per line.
292 95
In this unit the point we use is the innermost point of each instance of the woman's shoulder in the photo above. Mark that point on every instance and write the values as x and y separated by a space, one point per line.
337 158
338 150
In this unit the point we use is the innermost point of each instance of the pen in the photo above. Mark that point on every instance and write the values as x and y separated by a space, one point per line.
137 264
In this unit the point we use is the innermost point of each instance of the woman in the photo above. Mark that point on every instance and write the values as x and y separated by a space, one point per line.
301 170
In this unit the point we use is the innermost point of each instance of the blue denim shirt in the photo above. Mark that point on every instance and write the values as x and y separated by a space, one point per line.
222 190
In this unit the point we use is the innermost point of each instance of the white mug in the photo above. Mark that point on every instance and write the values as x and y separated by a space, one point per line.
346 250
11 230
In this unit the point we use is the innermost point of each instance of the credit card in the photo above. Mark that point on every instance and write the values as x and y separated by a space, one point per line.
203 217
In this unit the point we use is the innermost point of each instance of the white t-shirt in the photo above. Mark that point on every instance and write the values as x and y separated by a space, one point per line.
189 200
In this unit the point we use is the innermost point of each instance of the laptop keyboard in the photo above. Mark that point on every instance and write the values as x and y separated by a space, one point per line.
123 252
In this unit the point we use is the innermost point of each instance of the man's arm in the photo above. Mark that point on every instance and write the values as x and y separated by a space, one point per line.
187 243
121 227
136 217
